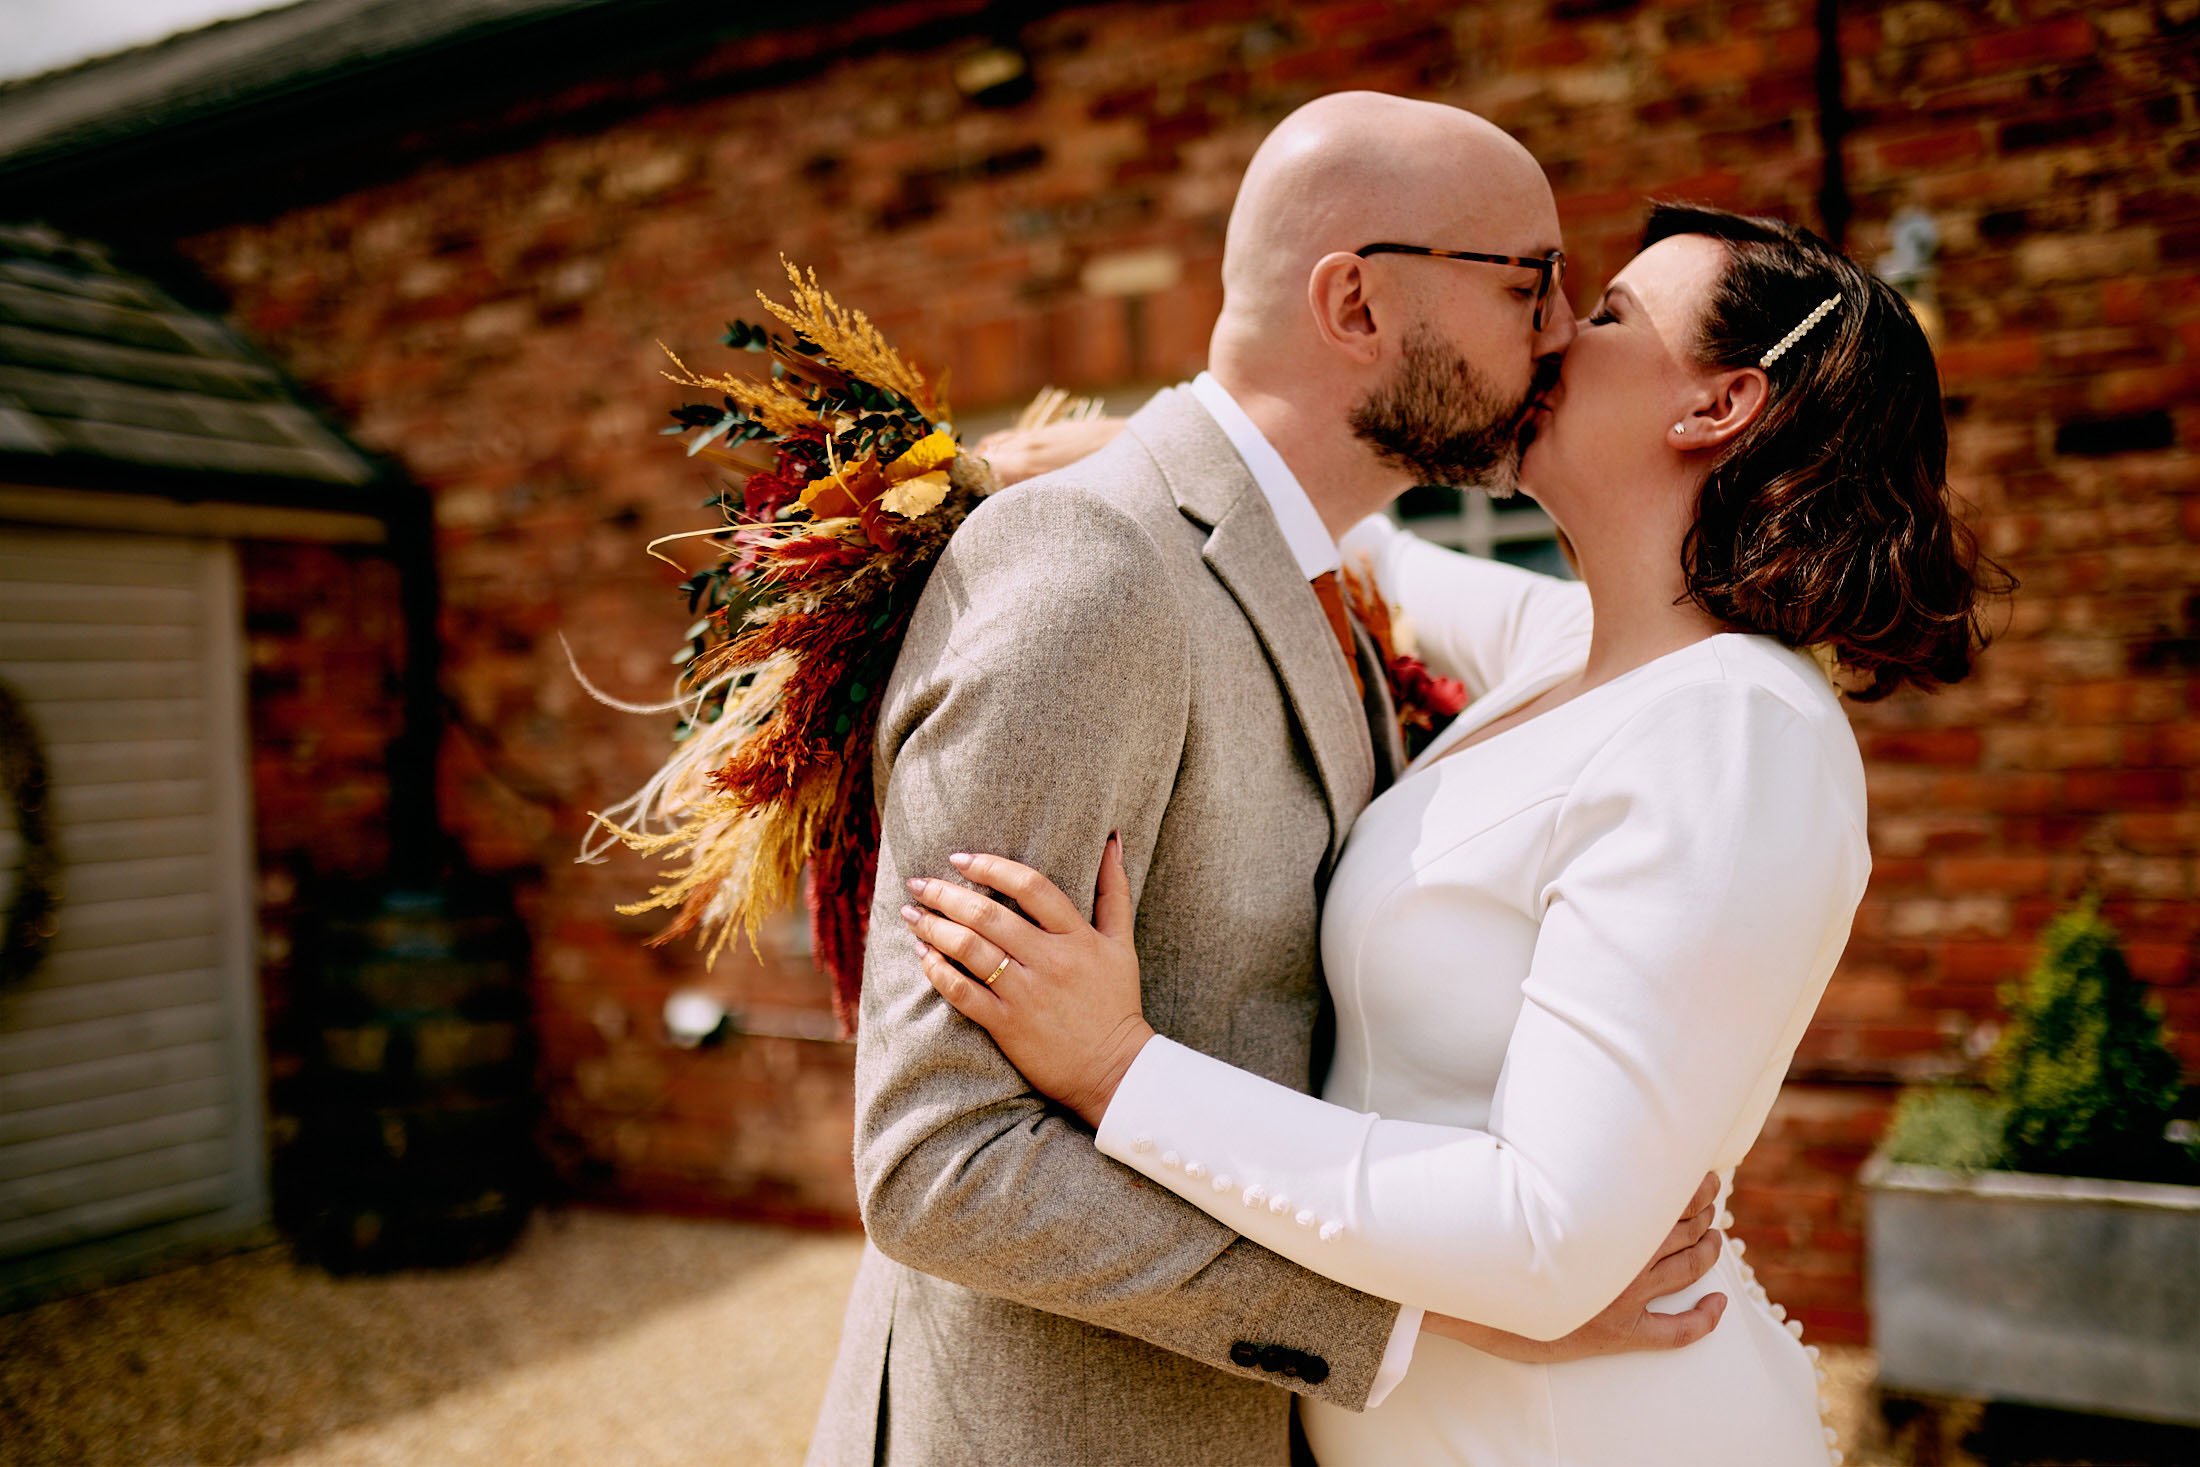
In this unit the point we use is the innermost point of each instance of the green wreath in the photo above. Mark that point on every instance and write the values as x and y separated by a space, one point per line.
32 916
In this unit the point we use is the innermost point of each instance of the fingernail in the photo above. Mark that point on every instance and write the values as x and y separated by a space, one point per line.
909 914
959 858
916 884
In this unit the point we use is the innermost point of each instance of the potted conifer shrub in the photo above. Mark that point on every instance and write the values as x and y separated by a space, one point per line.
2037 1239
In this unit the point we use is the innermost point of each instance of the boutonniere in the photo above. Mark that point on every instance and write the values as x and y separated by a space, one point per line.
1425 702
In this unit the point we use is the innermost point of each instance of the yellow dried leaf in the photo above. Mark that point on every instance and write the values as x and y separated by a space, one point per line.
919 496
933 451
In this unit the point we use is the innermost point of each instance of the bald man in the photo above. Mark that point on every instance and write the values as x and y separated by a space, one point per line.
1148 642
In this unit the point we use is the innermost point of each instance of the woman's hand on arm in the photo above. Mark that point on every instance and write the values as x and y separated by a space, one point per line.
1628 1323
1017 454
1065 1006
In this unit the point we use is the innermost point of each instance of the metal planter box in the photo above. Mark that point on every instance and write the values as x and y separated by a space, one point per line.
2070 1292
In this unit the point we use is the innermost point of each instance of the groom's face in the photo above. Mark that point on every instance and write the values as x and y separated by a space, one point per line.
1458 402
1444 422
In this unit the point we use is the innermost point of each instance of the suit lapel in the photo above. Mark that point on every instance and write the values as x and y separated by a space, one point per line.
1246 551
1382 711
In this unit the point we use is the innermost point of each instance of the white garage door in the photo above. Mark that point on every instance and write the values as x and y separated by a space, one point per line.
130 1089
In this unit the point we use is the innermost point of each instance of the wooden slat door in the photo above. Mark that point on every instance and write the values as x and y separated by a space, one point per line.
130 1061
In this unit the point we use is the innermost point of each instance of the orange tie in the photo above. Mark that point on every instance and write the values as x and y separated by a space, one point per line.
1332 600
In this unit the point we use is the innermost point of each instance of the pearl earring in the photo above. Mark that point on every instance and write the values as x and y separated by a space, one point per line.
1680 427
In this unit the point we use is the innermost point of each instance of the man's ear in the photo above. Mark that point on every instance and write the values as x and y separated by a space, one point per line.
1345 315
1731 404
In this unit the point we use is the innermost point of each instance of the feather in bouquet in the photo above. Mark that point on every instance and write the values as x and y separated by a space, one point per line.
848 481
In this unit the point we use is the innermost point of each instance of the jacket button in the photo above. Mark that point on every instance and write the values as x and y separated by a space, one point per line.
1314 1370
1245 1353
1273 1358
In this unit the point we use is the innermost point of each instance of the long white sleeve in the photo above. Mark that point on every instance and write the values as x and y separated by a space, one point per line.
1474 619
1701 879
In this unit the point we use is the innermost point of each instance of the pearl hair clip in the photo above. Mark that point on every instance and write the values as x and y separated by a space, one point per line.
1779 348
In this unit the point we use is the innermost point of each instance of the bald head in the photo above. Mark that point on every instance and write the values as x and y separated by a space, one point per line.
1368 375
1356 167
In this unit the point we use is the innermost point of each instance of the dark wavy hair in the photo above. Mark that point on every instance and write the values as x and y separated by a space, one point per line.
1827 519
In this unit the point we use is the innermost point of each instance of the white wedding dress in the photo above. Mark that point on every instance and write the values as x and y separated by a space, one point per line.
1570 967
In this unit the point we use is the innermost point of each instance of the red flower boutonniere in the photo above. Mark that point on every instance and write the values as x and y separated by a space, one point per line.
1425 702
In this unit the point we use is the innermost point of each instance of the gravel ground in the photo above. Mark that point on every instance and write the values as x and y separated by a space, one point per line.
603 1339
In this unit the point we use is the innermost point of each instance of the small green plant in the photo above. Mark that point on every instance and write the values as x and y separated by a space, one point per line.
2082 1083
1958 1129
2084 1066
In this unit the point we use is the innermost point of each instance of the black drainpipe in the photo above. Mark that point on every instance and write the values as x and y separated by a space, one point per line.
1834 205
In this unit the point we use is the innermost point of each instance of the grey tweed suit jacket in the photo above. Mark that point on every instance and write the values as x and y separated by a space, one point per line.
1126 644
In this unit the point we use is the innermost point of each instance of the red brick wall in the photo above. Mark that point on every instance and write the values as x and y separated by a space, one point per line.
492 324
323 640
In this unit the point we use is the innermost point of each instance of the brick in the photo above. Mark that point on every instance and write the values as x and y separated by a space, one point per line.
1958 746
2068 38
1958 874
1931 150
2057 130
2001 357
2159 832
2127 789
2058 258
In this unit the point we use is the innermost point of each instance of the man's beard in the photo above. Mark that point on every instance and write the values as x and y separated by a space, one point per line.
1444 423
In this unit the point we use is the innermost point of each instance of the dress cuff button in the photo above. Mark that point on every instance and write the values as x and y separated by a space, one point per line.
1331 1231
1305 1219
1833 1438
1738 1246
1195 1169
1142 1145
1225 1182
1779 1311
1795 1328
1279 1204
1171 1160
1256 1196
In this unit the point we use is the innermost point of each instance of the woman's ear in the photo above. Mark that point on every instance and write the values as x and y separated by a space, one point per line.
1344 311
1733 403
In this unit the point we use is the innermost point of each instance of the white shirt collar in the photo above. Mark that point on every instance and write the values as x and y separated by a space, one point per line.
1296 516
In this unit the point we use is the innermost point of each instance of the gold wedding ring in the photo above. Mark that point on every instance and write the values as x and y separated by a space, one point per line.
995 976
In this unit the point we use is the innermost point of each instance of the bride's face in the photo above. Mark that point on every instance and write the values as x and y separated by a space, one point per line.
1629 376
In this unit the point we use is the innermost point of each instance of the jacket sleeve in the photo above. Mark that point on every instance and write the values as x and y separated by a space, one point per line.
1472 618
1041 701
1703 874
